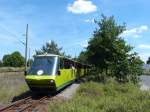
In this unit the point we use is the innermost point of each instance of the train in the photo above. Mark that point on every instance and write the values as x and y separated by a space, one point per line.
52 72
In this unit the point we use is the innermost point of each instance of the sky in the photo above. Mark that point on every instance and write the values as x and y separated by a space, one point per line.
70 23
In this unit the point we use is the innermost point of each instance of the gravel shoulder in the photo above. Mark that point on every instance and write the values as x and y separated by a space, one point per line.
69 91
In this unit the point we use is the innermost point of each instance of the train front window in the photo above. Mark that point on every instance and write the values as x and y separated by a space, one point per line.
42 66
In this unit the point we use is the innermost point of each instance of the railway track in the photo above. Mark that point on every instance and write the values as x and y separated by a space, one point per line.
28 104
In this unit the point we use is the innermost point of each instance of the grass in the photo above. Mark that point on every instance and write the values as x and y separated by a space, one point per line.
109 97
11 69
11 85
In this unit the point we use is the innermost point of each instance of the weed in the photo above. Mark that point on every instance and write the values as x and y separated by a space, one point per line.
108 97
11 85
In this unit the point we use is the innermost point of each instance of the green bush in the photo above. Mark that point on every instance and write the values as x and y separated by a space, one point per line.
13 60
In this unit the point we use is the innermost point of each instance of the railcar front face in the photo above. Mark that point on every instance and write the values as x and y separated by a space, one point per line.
41 75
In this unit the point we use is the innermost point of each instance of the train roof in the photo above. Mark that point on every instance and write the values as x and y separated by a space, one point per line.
49 55
46 55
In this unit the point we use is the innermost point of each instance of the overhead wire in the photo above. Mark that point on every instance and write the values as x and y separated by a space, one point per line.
12 34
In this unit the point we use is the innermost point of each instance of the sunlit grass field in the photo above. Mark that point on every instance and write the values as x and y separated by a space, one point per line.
109 97
11 85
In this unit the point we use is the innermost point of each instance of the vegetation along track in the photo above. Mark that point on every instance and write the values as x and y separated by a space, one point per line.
28 104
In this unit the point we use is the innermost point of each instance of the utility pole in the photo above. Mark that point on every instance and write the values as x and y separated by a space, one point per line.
29 58
26 50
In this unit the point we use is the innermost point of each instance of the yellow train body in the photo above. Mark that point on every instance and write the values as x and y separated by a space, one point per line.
62 76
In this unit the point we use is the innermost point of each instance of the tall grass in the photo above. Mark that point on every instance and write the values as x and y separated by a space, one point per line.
11 69
109 97
11 85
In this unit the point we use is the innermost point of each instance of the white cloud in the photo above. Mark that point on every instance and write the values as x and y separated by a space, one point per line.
82 7
81 43
142 28
84 44
89 20
144 56
144 46
135 32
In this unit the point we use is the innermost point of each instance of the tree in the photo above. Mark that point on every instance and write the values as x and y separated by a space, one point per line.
136 67
82 57
120 63
51 48
1 64
102 47
7 60
14 60
108 52
148 61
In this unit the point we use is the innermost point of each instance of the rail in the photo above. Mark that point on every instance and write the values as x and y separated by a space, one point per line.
25 105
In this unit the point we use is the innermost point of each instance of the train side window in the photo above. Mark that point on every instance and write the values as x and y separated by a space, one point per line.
61 65
67 64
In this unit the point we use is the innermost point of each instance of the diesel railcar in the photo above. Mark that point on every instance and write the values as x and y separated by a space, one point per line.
53 72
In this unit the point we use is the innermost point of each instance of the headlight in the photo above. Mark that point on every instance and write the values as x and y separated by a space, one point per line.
51 81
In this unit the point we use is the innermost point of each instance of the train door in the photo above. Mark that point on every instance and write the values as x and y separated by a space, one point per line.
61 74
